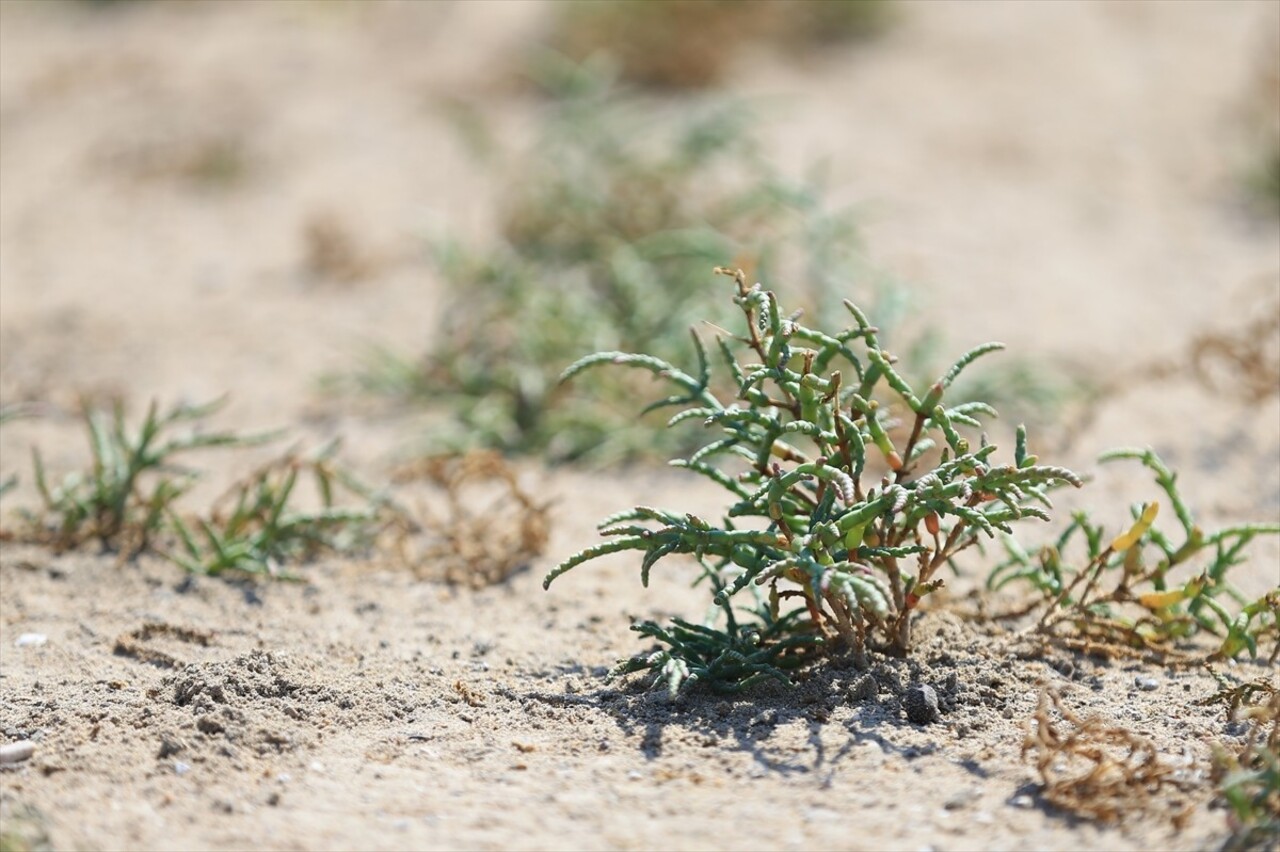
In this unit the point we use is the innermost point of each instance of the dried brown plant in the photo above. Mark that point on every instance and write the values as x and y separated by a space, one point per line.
1090 767
489 527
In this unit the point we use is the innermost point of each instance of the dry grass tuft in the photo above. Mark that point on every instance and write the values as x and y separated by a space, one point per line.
489 527
1091 768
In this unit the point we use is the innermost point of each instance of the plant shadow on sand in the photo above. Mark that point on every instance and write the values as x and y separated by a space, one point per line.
839 722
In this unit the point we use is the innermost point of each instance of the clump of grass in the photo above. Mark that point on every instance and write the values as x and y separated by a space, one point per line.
680 44
1248 777
1144 589
836 531
606 238
256 527
127 501
122 500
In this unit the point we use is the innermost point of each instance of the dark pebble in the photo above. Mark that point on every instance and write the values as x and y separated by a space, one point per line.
921 703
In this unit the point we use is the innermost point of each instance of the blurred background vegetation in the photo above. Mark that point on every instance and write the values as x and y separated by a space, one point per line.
609 230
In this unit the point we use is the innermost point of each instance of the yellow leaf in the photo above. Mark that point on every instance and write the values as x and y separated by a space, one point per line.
1160 600
1139 528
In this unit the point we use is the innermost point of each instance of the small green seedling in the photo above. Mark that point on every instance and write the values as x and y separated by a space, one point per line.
849 493
122 500
1128 594
255 528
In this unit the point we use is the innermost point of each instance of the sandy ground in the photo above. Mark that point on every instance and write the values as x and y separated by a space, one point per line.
1063 177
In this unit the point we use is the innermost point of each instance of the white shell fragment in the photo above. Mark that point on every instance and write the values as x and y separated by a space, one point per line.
11 753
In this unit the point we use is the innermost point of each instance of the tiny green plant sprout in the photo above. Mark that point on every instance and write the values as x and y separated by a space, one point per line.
849 493
1145 589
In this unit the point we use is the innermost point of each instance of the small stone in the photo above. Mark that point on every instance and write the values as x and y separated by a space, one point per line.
208 725
891 680
961 799
864 688
1237 728
11 753
1146 684
181 768
921 703
30 639
170 746
765 717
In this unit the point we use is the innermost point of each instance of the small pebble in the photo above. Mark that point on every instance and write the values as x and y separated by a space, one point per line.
922 704
27 639
169 746
1146 684
11 753
864 689
181 768
961 799
1022 801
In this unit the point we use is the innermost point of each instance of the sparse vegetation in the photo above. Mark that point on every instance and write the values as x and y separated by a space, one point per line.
1248 776
256 527
127 501
163 164
122 500
1143 589
608 231
680 44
